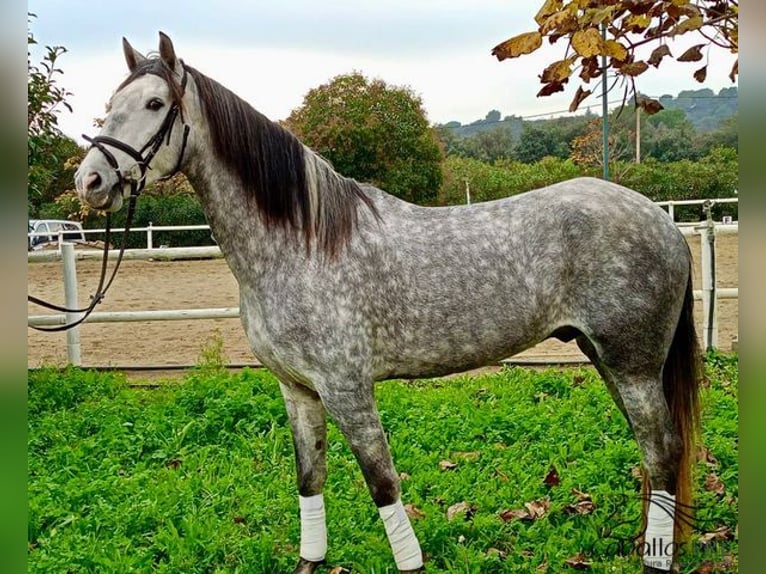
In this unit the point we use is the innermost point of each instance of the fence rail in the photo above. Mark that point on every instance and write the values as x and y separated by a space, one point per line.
151 228
709 293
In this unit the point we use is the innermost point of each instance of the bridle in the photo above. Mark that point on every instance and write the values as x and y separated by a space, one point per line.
143 158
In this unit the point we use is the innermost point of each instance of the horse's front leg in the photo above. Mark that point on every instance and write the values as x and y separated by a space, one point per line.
357 417
307 420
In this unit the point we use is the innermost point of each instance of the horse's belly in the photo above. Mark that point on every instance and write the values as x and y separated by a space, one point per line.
439 351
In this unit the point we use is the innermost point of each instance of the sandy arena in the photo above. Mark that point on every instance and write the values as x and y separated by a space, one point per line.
156 285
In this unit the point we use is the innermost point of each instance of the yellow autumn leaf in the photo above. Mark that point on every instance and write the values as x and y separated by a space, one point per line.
557 71
594 16
688 25
638 21
587 43
634 68
561 22
550 7
614 49
525 43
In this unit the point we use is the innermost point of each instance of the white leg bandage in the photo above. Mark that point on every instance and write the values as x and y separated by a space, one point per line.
658 538
402 538
313 529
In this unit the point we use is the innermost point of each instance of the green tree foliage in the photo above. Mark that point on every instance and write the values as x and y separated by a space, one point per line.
47 148
374 133
536 143
170 208
500 179
489 145
714 175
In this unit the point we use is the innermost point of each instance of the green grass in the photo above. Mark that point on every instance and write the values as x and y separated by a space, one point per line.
197 475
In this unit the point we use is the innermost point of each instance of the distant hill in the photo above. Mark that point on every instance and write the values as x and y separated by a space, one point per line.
704 108
492 121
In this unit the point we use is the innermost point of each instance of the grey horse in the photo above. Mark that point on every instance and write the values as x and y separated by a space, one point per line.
342 285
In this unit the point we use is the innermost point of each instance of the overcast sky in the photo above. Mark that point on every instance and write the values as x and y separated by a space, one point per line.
272 53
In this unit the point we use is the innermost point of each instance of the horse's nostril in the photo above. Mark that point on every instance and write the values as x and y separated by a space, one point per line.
91 181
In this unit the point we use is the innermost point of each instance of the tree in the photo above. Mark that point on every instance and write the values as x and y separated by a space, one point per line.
537 142
374 133
587 151
627 26
47 148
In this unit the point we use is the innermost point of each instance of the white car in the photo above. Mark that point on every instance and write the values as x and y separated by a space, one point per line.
46 231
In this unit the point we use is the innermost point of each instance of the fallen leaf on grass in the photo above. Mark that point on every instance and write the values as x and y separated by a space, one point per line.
578 562
542 567
584 504
704 455
552 478
403 476
713 483
339 570
414 512
531 511
468 510
447 465
583 507
538 507
721 533
521 514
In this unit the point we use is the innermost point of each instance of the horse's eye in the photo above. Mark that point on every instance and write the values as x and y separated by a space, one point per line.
154 104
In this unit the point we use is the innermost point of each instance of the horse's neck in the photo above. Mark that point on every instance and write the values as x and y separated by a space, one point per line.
236 226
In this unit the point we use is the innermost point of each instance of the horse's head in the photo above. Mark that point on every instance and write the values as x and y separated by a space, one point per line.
143 138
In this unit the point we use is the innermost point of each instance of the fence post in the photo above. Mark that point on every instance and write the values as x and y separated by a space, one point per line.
149 238
671 211
709 306
70 301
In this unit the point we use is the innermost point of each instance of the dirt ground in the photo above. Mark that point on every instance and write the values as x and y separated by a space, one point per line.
156 285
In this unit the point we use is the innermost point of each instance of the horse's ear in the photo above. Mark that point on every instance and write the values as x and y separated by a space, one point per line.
132 57
167 52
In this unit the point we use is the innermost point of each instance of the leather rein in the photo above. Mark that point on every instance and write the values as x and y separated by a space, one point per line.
143 158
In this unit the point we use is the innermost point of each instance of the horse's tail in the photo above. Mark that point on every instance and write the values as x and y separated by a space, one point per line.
681 378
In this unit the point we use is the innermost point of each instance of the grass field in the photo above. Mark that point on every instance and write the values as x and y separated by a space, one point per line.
197 475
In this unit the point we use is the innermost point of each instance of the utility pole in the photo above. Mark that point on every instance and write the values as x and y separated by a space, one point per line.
604 111
638 134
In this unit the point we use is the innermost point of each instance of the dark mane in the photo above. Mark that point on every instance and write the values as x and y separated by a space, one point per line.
291 186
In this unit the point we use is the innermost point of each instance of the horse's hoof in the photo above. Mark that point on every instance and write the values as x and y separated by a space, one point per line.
307 567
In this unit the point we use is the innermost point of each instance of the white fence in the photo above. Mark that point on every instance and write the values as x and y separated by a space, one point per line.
151 229
709 293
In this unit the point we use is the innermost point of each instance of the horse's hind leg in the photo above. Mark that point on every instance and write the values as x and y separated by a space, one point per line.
642 400
662 448
590 351
307 421
357 417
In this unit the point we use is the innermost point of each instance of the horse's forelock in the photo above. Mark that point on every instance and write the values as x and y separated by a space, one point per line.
157 67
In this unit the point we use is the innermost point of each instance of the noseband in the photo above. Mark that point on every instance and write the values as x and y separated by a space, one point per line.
136 187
